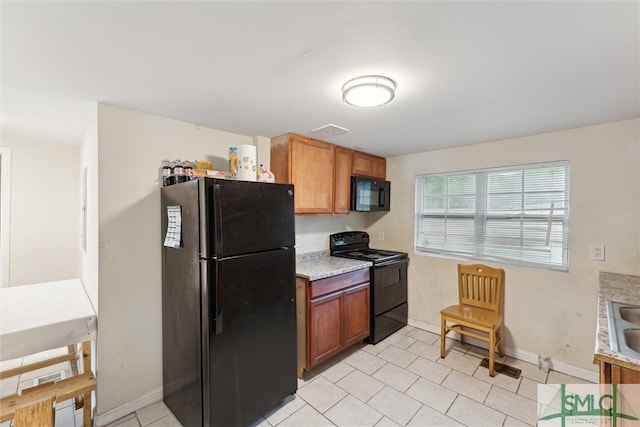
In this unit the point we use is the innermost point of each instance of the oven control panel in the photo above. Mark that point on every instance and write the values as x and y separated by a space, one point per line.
339 241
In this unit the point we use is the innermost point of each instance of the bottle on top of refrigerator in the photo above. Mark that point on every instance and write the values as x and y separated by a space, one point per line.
188 169
178 172
166 172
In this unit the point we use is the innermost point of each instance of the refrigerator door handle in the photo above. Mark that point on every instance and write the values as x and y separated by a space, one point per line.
205 305
212 298
216 204
218 305
204 212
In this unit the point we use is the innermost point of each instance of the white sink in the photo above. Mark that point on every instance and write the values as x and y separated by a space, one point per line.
632 339
630 313
624 328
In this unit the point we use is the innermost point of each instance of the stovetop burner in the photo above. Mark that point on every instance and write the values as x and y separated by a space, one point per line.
355 245
373 253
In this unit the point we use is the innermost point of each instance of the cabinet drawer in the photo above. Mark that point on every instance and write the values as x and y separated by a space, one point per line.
336 283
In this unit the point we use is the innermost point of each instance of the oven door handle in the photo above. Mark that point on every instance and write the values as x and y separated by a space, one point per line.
381 197
391 262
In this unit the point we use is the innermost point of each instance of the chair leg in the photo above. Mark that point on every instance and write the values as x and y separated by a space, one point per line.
492 353
442 336
500 346
461 336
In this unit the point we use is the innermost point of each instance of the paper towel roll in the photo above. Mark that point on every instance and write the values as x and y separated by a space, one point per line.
247 169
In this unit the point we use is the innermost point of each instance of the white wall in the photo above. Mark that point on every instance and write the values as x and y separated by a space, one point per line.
89 256
263 149
543 310
44 234
131 146
5 213
312 231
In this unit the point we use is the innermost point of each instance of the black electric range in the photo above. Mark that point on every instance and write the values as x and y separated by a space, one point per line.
388 281
355 245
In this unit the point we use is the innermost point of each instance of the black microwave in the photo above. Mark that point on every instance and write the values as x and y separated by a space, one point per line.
370 194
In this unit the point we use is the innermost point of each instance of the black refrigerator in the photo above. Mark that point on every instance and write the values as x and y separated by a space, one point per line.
228 300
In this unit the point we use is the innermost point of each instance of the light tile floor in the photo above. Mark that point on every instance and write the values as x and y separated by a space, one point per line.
401 381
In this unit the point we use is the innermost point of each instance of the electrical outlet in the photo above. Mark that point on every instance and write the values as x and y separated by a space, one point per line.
381 236
596 252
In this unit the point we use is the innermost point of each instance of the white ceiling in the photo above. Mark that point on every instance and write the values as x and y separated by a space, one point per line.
466 72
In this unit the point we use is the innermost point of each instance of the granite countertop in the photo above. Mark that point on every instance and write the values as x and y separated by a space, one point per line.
617 287
319 265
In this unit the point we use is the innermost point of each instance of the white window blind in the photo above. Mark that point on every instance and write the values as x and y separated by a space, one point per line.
516 215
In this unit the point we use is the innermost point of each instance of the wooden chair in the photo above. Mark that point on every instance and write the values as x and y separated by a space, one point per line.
40 414
32 406
479 309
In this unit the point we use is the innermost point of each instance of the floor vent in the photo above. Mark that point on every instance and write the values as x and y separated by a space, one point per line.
50 378
501 368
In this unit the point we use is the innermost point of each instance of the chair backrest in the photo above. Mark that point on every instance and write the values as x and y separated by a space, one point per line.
480 286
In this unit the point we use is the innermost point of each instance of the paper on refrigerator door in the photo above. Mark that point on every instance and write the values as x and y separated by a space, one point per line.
174 227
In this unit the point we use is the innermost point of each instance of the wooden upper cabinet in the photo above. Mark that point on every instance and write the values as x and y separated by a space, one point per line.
364 164
309 165
321 172
342 192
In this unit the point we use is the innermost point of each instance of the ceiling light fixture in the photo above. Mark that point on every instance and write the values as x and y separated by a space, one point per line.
368 91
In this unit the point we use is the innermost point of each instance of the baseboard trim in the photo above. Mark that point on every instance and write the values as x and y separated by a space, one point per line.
516 353
128 408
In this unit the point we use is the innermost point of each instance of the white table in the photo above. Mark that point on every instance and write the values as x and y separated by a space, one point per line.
44 316
39 317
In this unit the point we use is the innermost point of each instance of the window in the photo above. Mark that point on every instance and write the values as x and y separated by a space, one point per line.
516 215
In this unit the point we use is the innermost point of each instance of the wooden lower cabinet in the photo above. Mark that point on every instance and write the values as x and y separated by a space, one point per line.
356 314
616 374
333 314
325 327
336 321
